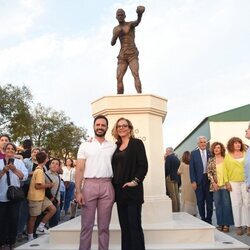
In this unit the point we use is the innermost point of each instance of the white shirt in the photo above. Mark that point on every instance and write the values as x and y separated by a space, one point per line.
204 159
68 174
55 179
14 179
98 158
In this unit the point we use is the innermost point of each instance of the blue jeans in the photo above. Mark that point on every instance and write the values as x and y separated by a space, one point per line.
223 207
62 198
54 220
23 216
69 196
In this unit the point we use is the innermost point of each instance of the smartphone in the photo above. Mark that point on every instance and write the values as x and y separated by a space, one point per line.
11 161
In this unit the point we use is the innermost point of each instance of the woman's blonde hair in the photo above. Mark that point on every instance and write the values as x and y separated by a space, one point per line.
115 133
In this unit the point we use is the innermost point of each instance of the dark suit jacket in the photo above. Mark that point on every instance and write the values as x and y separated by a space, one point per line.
196 166
134 164
172 164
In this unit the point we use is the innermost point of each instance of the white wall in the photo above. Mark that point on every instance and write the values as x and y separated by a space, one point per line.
223 131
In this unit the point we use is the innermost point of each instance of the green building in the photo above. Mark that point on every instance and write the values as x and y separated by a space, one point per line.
219 127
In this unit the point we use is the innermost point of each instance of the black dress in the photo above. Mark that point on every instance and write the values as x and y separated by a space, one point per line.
129 164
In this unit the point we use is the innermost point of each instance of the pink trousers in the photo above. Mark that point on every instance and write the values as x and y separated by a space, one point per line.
98 195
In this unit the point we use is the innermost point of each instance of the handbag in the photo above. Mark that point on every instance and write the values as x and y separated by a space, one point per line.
14 193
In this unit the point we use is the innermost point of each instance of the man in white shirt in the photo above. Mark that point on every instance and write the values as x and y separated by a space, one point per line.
95 170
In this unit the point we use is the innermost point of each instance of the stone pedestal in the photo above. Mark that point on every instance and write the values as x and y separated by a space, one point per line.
147 113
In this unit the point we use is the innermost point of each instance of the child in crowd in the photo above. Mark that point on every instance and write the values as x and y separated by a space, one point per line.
38 202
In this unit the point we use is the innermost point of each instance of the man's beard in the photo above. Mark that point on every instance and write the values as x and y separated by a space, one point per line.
100 134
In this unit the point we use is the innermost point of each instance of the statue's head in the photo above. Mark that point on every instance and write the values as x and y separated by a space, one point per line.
120 15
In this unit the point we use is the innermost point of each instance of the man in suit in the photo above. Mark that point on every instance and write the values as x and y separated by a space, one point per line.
199 179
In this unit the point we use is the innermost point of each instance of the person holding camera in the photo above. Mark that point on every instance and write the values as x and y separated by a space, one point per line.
14 170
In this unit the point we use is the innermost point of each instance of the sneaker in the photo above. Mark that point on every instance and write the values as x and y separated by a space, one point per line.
40 230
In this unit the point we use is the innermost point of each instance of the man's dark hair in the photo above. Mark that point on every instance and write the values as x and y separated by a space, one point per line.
27 144
41 157
101 117
5 135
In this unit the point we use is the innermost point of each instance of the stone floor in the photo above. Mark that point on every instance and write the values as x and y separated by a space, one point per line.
244 238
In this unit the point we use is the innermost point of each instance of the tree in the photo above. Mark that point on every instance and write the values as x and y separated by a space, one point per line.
66 141
15 117
54 131
46 121
44 126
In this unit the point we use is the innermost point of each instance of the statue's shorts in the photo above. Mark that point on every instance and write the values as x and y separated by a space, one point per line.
127 54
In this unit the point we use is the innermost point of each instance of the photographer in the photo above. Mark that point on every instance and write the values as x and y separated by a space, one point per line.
16 171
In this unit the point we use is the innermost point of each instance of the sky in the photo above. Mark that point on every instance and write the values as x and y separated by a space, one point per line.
194 53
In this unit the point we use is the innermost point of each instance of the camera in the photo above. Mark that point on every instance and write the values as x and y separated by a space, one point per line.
11 161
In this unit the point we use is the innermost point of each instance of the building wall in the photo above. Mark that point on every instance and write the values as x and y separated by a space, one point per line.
191 142
214 131
223 131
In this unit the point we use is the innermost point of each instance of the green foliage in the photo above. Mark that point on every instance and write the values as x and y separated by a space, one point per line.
66 140
15 104
45 126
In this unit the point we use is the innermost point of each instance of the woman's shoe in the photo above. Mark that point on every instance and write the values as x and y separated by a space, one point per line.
220 228
225 229
239 231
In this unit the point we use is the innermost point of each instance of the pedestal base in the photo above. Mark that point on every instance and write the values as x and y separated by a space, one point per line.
183 232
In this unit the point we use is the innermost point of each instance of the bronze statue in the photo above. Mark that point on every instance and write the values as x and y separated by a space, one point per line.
128 55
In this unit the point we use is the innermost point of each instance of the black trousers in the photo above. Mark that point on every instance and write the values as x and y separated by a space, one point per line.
8 222
131 229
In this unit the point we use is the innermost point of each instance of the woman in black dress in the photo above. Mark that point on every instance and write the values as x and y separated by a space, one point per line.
130 168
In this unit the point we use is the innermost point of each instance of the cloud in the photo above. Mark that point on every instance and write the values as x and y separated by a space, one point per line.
17 17
194 53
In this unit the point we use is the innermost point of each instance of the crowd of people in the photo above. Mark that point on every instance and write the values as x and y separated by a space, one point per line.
205 177
106 172
44 183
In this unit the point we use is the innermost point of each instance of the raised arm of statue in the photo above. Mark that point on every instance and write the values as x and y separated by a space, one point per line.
140 10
